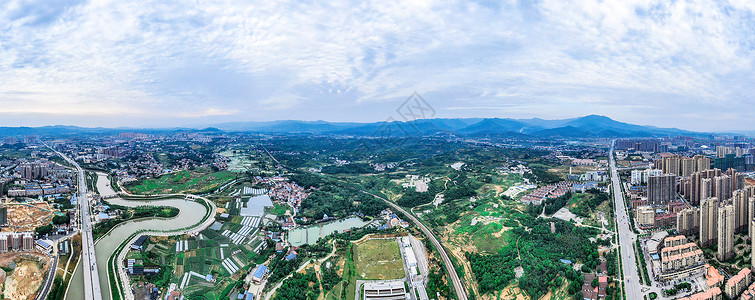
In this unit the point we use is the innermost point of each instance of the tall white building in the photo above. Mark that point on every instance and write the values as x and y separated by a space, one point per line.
640 177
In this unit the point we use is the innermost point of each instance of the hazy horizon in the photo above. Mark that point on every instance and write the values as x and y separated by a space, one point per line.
209 125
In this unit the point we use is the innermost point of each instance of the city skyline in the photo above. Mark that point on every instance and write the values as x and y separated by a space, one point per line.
158 64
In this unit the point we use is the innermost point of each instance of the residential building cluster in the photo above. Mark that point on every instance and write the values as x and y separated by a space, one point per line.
220 162
283 190
718 207
679 258
35 189
391 219
589 176
116 151
681 165
380 167
539 195
650 145
39 178
716 221
16 241
738 283
749 292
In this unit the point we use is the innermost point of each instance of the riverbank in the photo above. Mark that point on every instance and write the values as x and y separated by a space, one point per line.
195 213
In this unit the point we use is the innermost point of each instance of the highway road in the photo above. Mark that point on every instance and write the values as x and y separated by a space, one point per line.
626 235
461 293
92 289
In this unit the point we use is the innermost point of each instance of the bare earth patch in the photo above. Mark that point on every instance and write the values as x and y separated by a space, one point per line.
27 276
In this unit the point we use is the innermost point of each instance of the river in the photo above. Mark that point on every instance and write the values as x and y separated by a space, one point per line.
310 234
191 213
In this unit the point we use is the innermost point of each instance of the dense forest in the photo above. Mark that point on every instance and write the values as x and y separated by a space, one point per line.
353 168
299 287
333 198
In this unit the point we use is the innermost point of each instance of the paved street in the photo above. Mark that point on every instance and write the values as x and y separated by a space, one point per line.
47 285
626 236
89 261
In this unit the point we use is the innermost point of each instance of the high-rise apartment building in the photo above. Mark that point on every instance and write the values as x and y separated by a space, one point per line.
683 166
691 189
703 163
741 201
671 164
751 215
638 177
661 189
645 216
737 179
688 221
711 183
639 145
687 166
3 215
708 219
752 241
719 187
725 232
18 241
33 170
722 151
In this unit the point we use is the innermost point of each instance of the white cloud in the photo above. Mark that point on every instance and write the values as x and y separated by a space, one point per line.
280 60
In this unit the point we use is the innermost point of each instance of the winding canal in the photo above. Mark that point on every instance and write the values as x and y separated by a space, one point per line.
191 214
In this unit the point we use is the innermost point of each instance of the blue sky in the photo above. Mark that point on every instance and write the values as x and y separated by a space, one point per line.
686 64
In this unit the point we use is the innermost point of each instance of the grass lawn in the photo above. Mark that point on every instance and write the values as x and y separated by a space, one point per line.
336 293
379 259
182 182
278 209
489 238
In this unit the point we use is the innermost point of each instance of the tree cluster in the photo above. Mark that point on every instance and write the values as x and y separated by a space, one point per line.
299 287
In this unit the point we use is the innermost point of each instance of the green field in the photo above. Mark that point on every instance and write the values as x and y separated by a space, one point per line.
278 209
379 259
182 182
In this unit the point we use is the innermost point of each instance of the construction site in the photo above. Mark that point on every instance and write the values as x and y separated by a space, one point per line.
24 275
23 217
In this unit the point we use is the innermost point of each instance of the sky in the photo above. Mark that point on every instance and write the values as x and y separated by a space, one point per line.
144 63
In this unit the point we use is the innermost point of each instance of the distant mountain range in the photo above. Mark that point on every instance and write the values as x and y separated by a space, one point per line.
592 126
587 126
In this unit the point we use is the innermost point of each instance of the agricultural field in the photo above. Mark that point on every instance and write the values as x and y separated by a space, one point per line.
241 161
195 182
379 259
202 254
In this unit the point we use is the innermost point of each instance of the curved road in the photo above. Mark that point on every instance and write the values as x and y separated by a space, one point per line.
461 293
